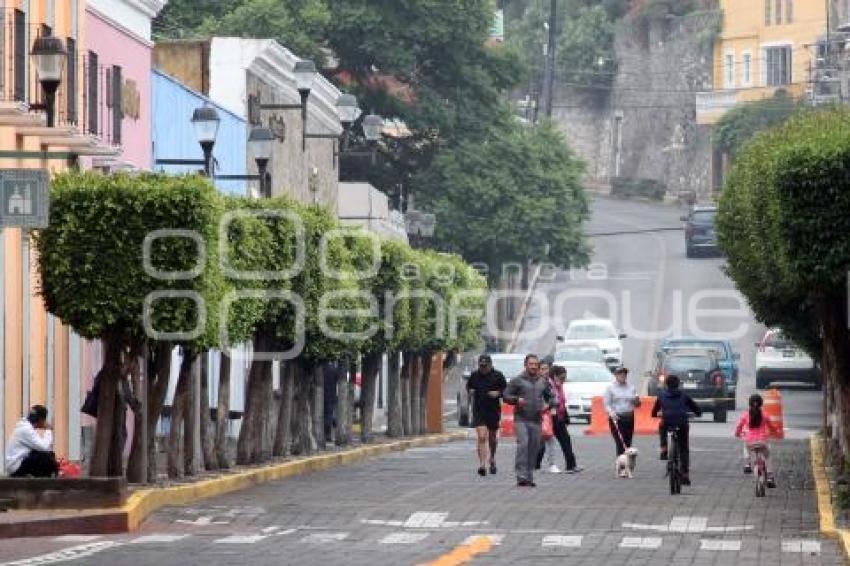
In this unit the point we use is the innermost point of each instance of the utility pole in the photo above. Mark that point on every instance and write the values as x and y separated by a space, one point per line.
549 80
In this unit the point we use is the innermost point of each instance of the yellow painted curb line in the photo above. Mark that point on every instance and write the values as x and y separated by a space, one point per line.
824 496
144 502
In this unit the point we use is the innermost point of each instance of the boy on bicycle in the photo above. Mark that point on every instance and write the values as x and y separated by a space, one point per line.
755 429
674 407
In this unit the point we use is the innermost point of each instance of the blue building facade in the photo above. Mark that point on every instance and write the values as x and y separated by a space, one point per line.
174 137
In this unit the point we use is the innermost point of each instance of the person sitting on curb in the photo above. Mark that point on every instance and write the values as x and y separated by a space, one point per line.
30 449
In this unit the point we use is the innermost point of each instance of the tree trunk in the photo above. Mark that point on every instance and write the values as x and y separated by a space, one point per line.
207 432
107 391
252 446
283 436
191 462
178 416
406 372
135 469
343 406
371 367
395 428
222 413
305 442
425 366
159 374
318 408
415 384
833 314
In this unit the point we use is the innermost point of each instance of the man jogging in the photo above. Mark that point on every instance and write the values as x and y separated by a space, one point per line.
530 394
485 386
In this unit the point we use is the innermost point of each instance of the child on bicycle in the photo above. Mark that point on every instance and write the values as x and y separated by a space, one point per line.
755 429
674 407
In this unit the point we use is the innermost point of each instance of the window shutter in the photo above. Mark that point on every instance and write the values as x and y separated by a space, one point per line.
20 56
71 74
117 108
92 93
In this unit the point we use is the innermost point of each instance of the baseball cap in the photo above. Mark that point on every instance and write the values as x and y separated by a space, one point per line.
485 359
621 369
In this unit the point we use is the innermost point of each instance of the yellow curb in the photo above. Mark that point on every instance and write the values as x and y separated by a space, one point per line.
144 502
824 496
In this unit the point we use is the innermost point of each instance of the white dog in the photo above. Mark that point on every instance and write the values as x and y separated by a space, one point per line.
625 463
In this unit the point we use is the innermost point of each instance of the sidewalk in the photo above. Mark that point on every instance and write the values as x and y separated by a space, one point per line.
146 500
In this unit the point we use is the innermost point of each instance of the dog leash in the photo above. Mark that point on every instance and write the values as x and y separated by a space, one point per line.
619 434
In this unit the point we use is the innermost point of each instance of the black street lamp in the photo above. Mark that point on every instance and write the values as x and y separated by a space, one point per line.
49 54
205 120
260 141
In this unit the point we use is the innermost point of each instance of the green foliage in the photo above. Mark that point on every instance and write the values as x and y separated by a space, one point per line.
91 256
586 53
784 221
506 198
636 187
741 123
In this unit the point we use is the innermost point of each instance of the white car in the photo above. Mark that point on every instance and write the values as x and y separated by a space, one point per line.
600 332
585 380
779 359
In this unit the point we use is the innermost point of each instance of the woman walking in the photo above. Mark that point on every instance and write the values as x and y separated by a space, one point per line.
621 400
560 420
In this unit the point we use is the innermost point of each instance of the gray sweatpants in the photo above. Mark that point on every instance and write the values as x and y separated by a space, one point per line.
528 439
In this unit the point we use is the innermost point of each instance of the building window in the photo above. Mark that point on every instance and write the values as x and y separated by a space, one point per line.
117 106
729 70
747 69
91 93
779 12
767 19
20 57
71 74
789 11
777 62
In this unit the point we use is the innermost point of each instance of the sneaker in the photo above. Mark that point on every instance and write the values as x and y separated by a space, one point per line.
492 468
574 470
748 469
482 472
771 481
553 469
662 455
686 480
523 483
532 484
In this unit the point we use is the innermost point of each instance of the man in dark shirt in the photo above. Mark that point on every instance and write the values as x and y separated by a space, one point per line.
485 386
674 407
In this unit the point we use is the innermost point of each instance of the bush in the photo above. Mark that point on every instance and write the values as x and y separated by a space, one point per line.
629 187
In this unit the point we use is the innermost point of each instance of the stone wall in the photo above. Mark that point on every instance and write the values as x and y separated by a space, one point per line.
645 124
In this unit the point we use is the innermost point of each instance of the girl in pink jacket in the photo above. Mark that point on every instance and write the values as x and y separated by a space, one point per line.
755 429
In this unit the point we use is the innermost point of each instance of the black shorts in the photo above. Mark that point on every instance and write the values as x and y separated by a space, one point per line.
488 419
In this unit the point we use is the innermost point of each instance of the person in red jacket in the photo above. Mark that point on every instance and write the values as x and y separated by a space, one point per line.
755 429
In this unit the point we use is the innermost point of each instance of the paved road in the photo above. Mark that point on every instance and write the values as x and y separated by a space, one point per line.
414 507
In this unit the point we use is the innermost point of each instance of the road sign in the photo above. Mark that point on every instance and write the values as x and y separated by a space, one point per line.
24 198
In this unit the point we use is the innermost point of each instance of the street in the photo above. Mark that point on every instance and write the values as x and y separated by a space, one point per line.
423 504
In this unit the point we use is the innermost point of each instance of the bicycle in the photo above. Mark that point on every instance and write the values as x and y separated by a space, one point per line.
759 468
674 466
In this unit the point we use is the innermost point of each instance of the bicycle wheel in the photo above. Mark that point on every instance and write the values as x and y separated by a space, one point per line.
673 469
761 481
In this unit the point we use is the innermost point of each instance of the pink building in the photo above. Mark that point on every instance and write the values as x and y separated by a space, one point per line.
117 59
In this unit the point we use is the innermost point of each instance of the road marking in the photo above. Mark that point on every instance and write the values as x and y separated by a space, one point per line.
650 543
495 540
733 545
202 522
324 538
801 546
240 539
403 538
424 520
77 538
71 553
157 538
566 541
687 525
464 553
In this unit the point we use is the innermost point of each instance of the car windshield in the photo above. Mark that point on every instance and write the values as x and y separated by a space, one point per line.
778 341
590 332
594 374
579 355
688 363
704 217
510 367
716 347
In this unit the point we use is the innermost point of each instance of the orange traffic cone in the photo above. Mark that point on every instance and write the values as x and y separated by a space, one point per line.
772 409
507 424
598 418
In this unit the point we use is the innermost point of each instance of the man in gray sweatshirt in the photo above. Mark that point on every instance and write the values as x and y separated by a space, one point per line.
530 395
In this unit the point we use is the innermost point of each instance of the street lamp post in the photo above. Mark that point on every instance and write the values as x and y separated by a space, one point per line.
205 120
260 140
49 54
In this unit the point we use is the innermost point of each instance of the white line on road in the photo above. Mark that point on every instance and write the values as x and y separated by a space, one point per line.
641 542
157 538
324 538
801 546
566 541
403 538
733 545
77 538
71 553
495 540
240 539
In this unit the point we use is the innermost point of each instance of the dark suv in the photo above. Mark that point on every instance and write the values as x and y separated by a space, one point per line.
700 376
700 237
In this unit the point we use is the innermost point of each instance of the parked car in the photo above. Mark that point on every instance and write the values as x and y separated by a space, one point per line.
700 236
579 352
600 332
779 359
726 355
511 365
700 376
585 380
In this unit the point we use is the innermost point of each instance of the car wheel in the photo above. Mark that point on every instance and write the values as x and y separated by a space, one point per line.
462 413
720 416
